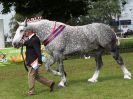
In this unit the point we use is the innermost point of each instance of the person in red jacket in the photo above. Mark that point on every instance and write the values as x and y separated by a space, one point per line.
33 61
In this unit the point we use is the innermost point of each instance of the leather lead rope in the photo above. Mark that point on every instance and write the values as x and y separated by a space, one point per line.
25 66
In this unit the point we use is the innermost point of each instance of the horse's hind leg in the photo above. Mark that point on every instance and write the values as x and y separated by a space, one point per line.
116 55
99 64
63 74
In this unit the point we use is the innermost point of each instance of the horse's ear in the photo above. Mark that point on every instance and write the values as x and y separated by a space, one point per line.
25 22
18 22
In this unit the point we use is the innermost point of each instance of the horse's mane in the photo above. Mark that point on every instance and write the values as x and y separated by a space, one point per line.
39 20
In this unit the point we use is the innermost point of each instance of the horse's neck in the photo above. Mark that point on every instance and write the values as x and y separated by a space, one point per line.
43 28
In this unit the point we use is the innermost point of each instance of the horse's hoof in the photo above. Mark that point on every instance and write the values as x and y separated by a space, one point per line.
61 85
129 74
127 77
92 80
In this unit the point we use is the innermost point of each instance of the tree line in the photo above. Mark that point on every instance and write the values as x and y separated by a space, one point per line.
73 12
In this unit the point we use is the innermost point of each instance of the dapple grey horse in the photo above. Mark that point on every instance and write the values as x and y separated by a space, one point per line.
74 39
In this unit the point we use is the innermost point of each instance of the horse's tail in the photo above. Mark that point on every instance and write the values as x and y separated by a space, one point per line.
117 39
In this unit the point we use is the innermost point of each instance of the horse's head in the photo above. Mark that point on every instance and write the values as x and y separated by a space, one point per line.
19 34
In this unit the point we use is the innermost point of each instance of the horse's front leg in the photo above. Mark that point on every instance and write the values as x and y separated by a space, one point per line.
61 70
99 64
63 75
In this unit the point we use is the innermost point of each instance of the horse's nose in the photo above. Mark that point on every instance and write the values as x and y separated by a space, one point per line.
14 44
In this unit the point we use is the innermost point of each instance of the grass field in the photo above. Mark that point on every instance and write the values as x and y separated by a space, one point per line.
111 85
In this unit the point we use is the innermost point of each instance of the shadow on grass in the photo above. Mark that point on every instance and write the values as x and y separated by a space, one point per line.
101 79
47 90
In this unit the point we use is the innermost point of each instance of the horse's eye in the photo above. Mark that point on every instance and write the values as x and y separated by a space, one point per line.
21 30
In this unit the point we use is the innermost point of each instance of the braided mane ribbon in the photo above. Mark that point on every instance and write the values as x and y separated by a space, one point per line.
54 34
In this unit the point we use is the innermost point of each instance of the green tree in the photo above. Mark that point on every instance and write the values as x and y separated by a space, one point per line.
101 11
70 11
59 10
73 12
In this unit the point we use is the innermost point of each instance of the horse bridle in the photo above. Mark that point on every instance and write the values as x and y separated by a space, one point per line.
25 66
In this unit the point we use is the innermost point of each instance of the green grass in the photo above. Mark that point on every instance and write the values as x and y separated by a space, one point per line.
111 85
126 45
